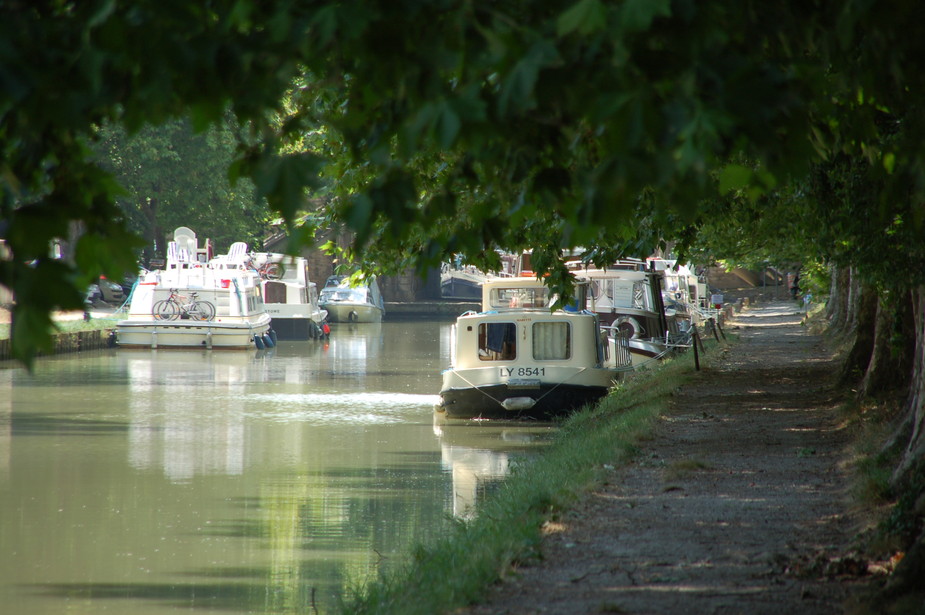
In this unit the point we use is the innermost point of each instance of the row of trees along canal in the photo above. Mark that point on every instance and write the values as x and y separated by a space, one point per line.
750 132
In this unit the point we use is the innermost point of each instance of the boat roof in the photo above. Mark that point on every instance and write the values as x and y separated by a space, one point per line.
526 315
514 294
611 274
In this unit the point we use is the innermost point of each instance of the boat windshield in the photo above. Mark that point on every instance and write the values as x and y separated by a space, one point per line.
344 293
616 293
502 298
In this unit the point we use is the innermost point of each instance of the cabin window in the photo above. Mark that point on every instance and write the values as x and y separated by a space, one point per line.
551 341
497 341
639 296
604 289
518 297
274 292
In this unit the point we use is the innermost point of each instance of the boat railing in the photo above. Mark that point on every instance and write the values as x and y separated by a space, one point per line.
680 340
621 350
702 311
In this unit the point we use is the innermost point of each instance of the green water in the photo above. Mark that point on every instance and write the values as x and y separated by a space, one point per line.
140 481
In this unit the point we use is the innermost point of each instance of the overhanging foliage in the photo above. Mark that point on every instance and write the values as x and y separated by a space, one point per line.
448 126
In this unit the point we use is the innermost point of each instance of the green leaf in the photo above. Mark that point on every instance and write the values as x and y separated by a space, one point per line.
517 93
638 15
734 177
448 125
889 162
283 180
325 24
31 332
101 13
585 17
359 216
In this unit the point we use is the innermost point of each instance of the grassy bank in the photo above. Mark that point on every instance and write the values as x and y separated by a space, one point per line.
456 570
72 334
71 325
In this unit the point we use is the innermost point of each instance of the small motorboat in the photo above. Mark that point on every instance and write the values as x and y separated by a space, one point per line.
347 300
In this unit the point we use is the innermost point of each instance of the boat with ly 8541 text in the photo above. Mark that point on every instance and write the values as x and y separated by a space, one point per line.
517 358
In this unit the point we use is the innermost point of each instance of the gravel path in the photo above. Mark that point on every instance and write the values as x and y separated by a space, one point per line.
737 505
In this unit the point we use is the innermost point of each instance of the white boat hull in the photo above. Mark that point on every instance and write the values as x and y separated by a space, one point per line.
296 322
519 391
352 312
352 303
643 353
290 297
192 334
197 301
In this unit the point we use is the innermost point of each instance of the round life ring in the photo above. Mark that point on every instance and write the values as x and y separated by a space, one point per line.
630 327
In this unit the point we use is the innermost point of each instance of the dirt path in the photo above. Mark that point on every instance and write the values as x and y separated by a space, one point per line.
735 506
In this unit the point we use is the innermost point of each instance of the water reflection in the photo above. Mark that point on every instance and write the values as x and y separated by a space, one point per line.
6 422
141 481
186 410
480 453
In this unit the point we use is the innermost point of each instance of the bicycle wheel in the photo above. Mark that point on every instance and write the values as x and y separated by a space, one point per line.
273 271
165 309
201 310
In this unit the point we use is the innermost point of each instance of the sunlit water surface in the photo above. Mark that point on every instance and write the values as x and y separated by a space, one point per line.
153 481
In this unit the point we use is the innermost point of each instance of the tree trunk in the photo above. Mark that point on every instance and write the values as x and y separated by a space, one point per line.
853 307
152 232
915 407
890 366
864 316
837 308
909 476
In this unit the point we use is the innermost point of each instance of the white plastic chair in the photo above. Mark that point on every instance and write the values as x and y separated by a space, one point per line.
237 252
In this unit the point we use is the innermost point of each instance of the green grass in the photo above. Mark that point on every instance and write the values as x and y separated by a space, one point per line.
71 326
457 570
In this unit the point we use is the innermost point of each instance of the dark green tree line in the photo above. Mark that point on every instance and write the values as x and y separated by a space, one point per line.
512 125
174 177
456 126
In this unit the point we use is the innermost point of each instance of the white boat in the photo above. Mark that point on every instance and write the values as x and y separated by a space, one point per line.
628 301
346 303
289 296
197 302
682 293
518 359
462 282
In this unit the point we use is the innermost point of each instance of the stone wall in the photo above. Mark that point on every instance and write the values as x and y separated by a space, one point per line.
720 279
76 341
409 287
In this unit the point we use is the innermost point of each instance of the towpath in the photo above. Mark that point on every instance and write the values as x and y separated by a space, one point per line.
737 505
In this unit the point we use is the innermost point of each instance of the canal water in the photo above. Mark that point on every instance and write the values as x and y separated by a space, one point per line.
154 481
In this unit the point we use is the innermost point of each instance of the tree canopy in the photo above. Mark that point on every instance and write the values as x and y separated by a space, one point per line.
448 126
433 127
174 177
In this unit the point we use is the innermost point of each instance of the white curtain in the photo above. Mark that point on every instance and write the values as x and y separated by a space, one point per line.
551 340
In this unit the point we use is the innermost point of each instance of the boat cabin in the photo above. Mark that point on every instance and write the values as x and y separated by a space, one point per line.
526 339
527 293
